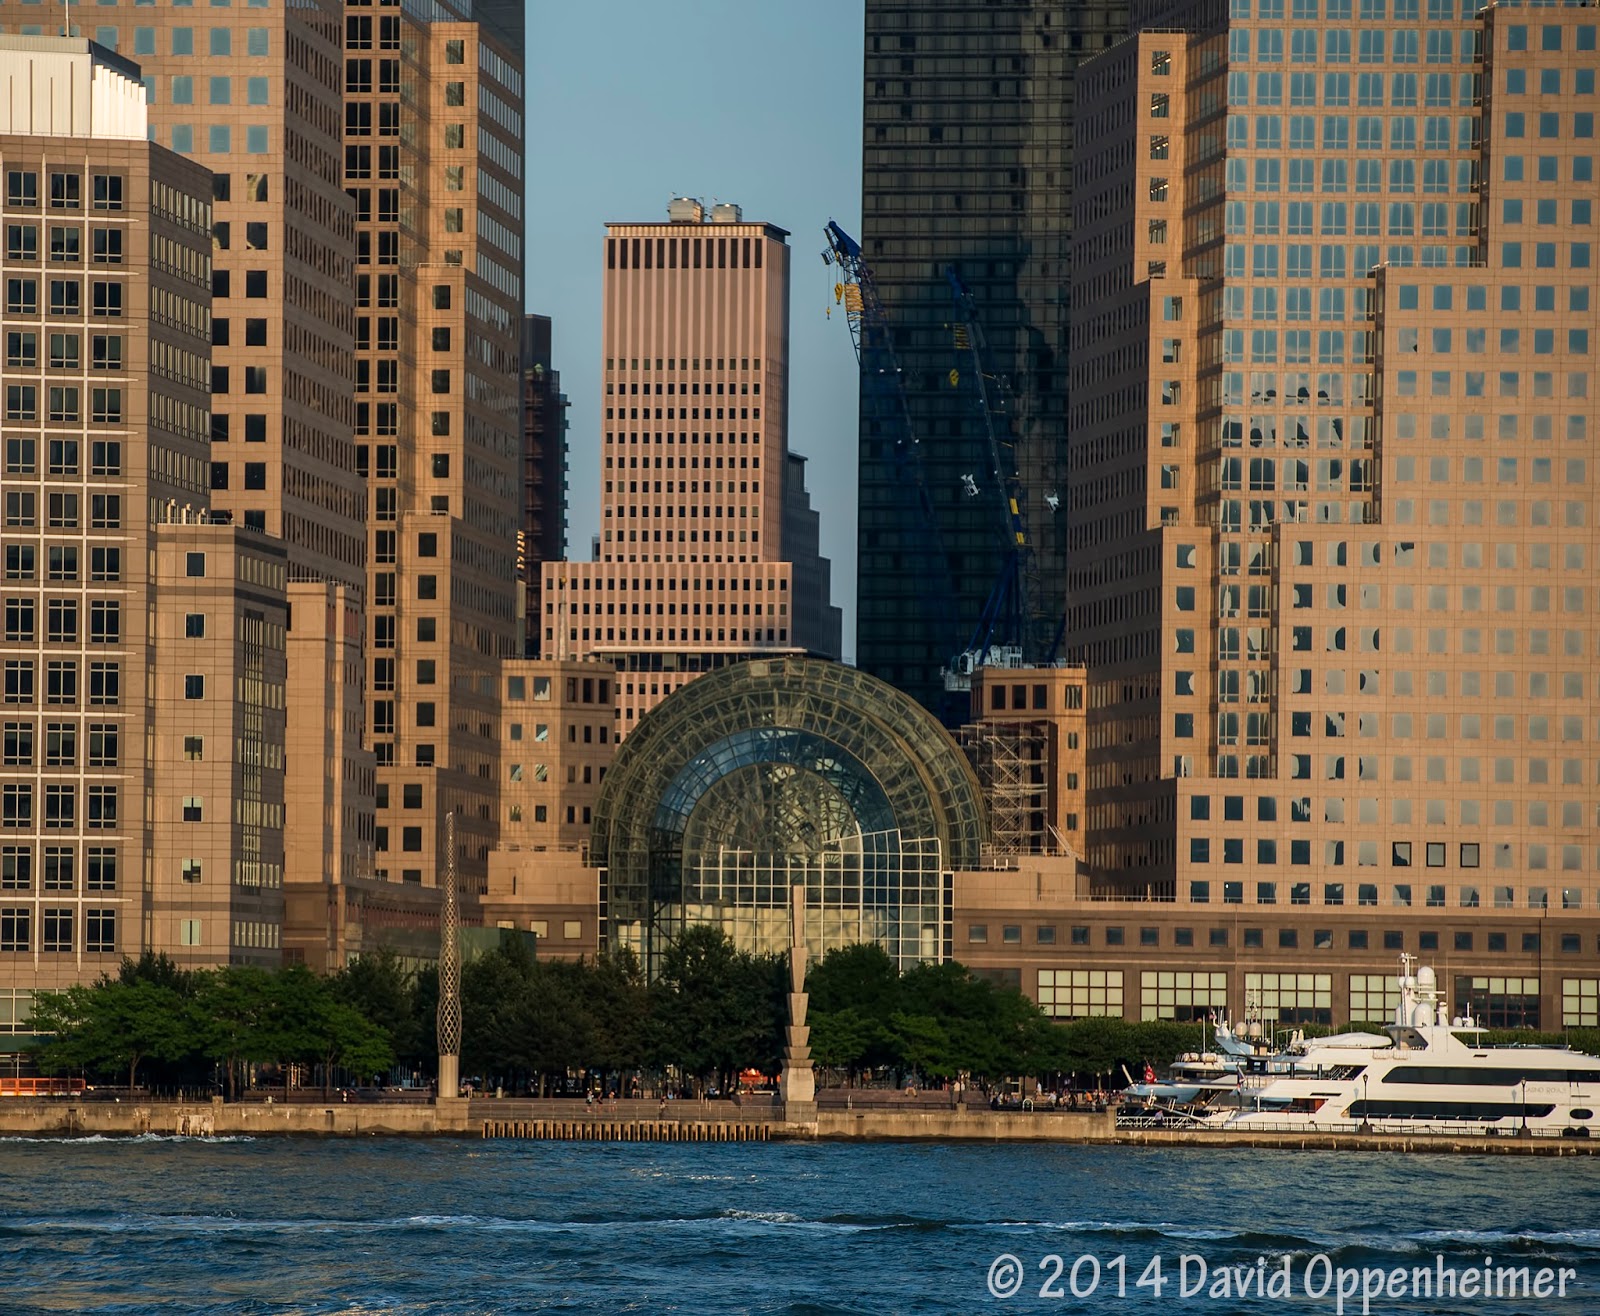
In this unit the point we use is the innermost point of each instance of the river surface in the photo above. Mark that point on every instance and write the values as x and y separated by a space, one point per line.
420 1227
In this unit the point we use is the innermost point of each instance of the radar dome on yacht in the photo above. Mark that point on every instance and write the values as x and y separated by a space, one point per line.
1426 978
1421 1015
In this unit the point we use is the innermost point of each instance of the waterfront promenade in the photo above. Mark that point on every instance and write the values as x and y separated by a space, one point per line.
693 1121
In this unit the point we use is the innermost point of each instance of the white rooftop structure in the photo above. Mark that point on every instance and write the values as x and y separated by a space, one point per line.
69 87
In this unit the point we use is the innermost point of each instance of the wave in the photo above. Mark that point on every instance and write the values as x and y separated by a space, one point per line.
80 1139
1241 1241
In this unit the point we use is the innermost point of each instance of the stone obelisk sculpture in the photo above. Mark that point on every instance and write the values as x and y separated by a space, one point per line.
449 1018
797 1085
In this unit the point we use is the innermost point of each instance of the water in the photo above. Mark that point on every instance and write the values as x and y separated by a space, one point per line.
418 1228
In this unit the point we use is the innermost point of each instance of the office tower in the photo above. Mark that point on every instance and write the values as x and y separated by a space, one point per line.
695 476
968 125
544 472
1334 505
253 92
141 785
433 159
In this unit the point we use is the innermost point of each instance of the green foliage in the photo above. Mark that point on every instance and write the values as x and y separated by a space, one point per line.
194 1022
713 1011
716 1009
114 1025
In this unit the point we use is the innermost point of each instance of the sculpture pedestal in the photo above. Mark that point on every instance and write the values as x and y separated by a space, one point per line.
797 1084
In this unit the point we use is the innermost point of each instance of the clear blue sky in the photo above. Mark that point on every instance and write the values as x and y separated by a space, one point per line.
633 102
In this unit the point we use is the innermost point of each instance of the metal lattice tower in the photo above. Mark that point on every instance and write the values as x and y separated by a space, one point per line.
449 1017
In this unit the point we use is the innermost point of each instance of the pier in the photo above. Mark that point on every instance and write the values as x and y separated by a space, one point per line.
609 1130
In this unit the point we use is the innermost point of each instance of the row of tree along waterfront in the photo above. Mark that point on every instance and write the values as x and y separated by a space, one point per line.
536 1026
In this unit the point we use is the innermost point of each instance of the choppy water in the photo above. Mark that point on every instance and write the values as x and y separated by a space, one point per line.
391 1226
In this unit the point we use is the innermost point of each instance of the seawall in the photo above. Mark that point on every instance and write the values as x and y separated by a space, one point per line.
209 1119
59 1118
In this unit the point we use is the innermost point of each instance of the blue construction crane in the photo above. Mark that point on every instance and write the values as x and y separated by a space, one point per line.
1003 634
883 394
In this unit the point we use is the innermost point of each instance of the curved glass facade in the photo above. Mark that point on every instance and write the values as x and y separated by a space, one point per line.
773 772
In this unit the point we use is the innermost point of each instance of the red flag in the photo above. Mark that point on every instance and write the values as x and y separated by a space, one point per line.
1149 1072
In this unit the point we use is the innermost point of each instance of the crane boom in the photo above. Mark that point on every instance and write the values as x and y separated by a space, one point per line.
1005 629
884 392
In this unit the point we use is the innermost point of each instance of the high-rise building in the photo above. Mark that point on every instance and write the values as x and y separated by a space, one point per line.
544 472
1334 503
967 157
143 650
433 137
254 92
368 162
695 477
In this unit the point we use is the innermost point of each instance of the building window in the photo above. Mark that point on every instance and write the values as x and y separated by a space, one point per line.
1182 995
1291 997
55 927
1080 993
99 930
1580 1002
1499 1002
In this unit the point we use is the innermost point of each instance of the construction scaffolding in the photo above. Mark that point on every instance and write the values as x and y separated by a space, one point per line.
1012 761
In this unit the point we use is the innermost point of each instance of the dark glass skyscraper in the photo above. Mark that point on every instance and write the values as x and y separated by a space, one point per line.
968 113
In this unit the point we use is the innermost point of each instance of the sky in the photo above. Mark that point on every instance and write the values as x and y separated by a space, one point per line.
633 102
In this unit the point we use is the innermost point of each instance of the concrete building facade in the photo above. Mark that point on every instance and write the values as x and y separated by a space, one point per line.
433 135
254 93
695 473
1334 507
141 785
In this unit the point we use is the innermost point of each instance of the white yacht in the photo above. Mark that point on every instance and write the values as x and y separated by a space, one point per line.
1431 1073
1199 1085
1195 1084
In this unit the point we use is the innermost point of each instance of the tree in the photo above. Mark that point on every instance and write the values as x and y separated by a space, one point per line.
842 1039
383 990
494 988
1098 1045
922 1045
713 1006
348 1038
617 1001
113 1024
237 1003
860 977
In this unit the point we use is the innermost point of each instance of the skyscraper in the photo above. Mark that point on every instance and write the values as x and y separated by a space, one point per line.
141 773
1333 502
695 476
967 155
253 93
544 472
433 137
